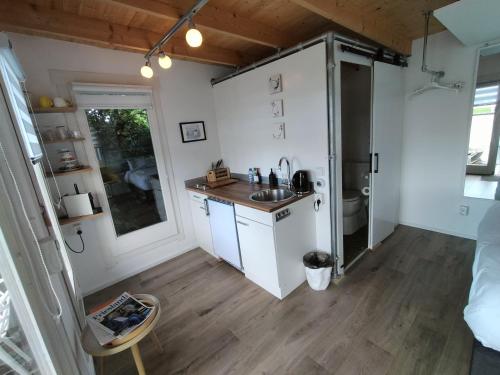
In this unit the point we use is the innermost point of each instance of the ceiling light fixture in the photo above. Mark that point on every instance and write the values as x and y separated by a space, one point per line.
193 35
193 38
164 60
146 70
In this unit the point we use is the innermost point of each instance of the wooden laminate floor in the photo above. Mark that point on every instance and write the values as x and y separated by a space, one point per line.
355 244
398 311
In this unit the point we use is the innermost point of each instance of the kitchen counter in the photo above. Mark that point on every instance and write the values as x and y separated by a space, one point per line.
239 193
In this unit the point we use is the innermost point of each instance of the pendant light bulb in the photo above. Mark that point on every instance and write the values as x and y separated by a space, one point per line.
146 70
193 36
164 60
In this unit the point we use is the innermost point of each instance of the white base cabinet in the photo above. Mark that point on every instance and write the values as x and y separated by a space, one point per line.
272 244
258 254
201 221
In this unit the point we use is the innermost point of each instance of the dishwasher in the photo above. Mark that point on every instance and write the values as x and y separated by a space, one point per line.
224 232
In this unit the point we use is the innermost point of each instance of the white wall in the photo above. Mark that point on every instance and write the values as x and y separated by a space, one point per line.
185 95
436 131
245 122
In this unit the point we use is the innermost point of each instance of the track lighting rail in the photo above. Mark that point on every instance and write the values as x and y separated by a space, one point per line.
170 33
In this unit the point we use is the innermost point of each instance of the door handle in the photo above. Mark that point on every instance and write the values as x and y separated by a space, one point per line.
376 162
242 223
205 206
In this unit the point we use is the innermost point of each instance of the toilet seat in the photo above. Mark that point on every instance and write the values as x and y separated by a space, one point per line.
351 195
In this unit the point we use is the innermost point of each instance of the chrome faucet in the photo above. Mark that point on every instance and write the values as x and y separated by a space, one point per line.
289 179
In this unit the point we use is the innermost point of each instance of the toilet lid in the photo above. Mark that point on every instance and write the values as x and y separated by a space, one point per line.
350 195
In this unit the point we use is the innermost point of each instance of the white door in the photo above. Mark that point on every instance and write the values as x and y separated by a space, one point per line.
201 222
387 124
258 254
126 149
224 234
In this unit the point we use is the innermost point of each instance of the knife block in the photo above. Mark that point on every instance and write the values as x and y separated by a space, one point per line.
219 174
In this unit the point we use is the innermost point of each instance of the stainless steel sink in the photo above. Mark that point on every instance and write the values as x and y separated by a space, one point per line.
272 195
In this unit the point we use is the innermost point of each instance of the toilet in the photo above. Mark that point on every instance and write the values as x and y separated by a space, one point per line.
354 202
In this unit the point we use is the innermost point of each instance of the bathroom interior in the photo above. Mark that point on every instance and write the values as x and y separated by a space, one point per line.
356 90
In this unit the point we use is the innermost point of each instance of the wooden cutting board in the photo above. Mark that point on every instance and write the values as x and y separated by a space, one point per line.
222 183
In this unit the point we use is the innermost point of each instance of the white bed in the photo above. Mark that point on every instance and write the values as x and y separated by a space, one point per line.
482 313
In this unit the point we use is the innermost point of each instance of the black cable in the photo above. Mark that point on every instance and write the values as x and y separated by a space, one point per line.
83 244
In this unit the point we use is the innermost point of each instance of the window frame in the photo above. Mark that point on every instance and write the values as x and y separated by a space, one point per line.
98 96
489 168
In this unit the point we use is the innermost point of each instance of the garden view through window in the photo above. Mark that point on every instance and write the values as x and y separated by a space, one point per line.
124 149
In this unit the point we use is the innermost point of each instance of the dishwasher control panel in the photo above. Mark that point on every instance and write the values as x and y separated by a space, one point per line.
283 214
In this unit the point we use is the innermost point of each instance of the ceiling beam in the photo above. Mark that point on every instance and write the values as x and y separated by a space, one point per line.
215 19
19 16
371 26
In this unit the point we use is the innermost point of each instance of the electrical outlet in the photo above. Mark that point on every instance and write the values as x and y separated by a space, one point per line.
463 210
77 228
320 183
319 196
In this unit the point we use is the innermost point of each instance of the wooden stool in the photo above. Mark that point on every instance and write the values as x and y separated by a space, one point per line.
92 346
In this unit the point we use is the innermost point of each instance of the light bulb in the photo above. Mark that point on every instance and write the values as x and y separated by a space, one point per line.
164 61
194 37
146 70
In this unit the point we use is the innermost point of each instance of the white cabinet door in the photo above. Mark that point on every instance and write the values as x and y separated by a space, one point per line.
258 254
386 150
201 224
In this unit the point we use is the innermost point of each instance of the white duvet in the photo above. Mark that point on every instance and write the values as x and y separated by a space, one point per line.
482 314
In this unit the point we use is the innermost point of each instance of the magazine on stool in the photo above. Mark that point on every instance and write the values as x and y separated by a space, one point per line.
119 318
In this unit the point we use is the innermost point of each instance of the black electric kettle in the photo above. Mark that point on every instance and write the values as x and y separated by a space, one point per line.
300 182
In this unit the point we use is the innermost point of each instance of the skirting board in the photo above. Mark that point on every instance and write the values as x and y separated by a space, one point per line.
439 230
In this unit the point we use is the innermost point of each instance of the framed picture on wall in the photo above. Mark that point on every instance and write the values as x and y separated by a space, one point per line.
193 131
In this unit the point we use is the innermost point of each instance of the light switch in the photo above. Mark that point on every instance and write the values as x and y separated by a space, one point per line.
277 108
279 130
275 84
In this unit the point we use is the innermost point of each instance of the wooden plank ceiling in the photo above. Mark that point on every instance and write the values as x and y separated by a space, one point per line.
236 32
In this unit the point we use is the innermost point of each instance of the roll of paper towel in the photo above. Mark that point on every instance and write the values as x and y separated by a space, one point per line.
365 191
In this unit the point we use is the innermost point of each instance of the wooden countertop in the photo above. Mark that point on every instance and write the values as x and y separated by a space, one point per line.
239 193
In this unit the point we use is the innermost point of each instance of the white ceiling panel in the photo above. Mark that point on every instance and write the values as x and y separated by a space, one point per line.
472 21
